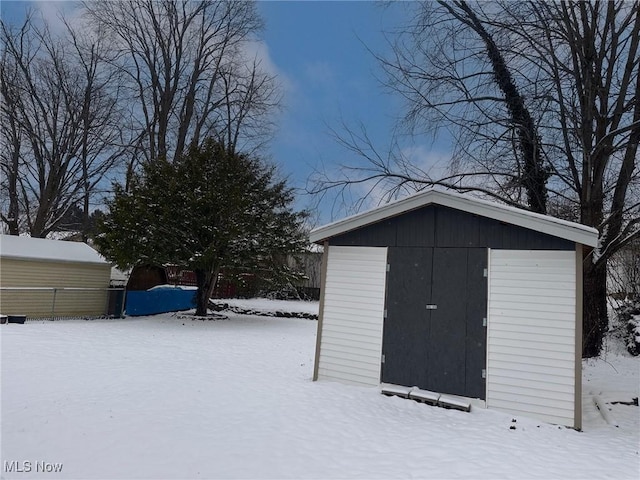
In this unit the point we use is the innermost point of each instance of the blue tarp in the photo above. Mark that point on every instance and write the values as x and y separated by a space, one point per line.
160 300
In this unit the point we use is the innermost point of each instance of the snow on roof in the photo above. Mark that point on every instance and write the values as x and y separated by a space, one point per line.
543 223
12 246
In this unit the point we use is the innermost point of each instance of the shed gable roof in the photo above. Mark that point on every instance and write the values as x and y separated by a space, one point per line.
556 227
29 248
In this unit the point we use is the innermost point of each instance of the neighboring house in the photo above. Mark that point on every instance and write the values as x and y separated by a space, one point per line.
51 278
458 296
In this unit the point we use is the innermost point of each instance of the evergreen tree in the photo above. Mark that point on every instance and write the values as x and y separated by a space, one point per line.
207 210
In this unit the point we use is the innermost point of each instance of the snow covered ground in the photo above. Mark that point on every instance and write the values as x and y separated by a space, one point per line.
172 397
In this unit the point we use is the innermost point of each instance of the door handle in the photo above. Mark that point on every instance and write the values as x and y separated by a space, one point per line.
431 306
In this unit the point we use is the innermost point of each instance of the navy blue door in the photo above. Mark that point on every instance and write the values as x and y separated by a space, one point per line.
434 336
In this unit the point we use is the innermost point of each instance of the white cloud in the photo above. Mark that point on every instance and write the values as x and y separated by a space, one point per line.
418 162
432 164
54 12
258 49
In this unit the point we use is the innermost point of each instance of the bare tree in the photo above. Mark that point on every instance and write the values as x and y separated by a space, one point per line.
186 75
533 175
542 99
250 98
591 53
57 113
103 142
454 70
10 146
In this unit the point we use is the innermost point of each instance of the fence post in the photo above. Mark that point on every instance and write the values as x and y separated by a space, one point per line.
124 302
53 306
105 310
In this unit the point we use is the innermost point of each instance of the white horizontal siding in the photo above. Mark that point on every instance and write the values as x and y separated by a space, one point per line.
520 327
351 336
351 354
344 377
532 369
524 317
531 300
556 416
525 362
517 376
348 345
360 329
548 337
517 354
531 334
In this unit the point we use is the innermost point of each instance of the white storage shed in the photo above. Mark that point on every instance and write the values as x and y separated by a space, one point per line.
459 296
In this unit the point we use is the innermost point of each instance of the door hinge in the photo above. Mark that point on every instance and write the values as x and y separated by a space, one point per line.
485 273
388 267
384 313
484 322
484 373
382 358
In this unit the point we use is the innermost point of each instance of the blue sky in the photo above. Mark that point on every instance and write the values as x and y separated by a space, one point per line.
319 51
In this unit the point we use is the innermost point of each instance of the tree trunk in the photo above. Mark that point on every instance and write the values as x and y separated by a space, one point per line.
14 205
595 319
534 176
206 281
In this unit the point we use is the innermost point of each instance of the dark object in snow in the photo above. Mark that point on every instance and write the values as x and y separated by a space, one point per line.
17 319
221 307
634 401
210 316
512 427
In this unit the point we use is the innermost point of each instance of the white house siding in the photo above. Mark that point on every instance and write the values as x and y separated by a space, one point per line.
352 319
531 334
41 275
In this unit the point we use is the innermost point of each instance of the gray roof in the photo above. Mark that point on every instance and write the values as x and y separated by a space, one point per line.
556 227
